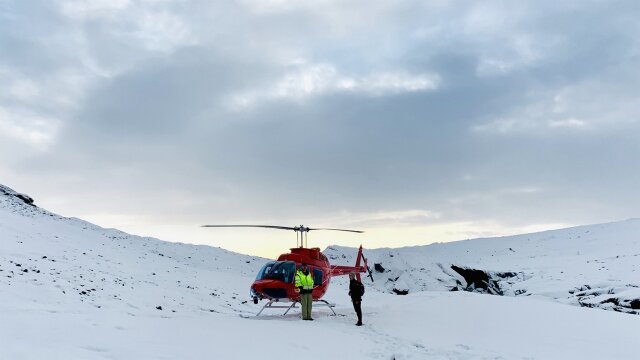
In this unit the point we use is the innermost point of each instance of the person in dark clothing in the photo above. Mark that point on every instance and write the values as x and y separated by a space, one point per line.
356 290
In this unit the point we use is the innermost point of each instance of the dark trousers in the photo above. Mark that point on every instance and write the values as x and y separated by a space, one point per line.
357 306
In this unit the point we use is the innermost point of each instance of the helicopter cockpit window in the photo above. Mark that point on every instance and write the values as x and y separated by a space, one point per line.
282 271
317 276
265 270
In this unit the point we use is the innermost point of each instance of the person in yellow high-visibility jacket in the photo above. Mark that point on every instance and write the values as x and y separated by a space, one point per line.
304 285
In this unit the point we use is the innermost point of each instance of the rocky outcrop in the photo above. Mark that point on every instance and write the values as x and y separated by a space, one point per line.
482 281
400 292
11 193
620 299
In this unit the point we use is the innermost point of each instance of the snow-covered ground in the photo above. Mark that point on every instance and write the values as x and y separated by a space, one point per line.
73 290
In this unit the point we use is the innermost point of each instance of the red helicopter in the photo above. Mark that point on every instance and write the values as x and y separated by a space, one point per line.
275 281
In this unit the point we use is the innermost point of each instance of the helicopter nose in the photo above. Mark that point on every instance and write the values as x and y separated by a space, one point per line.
254 295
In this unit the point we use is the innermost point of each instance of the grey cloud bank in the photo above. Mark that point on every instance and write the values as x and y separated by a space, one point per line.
506 113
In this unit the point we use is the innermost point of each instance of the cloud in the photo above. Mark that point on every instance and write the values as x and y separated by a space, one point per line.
309 80
410 217
568 123
83 10
30 128
601 103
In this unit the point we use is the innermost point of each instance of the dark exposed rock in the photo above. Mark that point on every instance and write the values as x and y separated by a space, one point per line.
482 281
27 199
505 275
458 286
613 301
400 292
588 297
159 307
585 304
378 267
477 278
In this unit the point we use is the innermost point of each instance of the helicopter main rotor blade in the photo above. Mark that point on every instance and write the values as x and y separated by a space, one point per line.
297 228
355 231
258 226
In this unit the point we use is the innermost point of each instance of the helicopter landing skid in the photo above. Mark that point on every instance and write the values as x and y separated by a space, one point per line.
293 305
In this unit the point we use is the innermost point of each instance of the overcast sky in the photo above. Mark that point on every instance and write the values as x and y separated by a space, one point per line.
417 121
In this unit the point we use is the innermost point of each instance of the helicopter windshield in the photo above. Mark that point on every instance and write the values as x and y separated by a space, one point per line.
278 270
265 269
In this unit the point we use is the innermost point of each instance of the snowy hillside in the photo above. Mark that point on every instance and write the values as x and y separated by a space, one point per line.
70 261
73 290
591 266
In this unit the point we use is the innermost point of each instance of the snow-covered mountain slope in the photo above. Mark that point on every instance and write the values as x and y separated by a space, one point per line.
592 266
73 290
67 261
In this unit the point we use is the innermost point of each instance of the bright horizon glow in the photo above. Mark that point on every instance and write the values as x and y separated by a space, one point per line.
269 243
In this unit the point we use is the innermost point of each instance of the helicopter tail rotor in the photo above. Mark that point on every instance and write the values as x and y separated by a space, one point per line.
368 268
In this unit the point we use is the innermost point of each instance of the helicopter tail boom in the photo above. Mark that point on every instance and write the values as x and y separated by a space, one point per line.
337 270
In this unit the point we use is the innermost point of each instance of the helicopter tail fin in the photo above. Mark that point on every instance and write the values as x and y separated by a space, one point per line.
360 257
365 268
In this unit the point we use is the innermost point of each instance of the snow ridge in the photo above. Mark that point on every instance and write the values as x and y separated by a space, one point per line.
595 266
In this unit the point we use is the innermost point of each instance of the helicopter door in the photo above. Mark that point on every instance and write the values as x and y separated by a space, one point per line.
318 276
288 270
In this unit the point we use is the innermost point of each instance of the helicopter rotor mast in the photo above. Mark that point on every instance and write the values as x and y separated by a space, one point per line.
301 231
